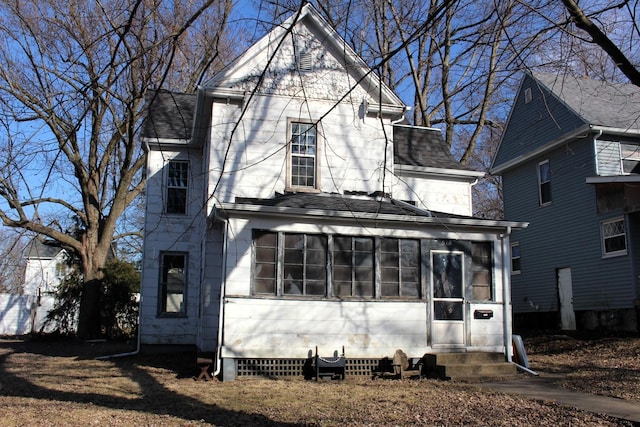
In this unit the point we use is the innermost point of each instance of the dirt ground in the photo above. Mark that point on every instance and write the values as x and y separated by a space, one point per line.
54 382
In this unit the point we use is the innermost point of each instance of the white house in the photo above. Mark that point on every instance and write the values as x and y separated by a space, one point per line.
25 313
289 206
46 266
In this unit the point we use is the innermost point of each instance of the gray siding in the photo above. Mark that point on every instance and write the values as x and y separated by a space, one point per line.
634 243
564 234
532 125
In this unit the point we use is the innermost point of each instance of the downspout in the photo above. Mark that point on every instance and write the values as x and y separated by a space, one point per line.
402 116
218 364
138 338
506 292
595 150
471 194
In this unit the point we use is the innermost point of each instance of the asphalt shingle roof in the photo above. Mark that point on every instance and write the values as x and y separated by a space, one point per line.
170 115
38 249
344 203
420 146
600 103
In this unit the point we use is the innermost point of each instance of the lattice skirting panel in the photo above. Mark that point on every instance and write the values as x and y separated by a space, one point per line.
296 367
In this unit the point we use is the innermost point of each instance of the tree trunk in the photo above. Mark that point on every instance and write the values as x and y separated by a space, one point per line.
89 321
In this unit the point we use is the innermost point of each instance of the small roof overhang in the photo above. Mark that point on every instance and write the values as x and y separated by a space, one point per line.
390 212
615 179
461 174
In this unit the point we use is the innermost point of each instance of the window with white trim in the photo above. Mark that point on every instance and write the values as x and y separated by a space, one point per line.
630 156
303 155
177 183
173 284
515 258
614 237
482 266
544 182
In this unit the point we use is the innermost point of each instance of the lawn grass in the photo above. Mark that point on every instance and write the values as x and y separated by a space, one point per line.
61 383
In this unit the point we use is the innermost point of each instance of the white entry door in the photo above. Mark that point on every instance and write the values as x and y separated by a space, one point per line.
565 296
447 299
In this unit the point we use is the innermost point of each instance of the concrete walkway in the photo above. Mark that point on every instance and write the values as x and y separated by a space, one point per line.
543 388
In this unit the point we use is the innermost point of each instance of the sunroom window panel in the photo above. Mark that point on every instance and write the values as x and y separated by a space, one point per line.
399 259
482 264
390 289
266 255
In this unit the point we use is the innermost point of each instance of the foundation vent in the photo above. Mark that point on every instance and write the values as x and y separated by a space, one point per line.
296 367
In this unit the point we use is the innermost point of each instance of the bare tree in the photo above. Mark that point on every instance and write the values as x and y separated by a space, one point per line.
621 52
73 79
12 261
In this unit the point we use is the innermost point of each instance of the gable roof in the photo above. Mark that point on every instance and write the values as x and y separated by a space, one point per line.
261 54
42 250
169 116
613 105
551 109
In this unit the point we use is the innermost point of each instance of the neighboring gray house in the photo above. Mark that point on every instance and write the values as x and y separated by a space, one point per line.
570 164
288 207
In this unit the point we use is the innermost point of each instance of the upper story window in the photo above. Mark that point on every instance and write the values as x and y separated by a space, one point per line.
630 156
173 284
303 155
177 182
482 266
614 237
515 258
544 182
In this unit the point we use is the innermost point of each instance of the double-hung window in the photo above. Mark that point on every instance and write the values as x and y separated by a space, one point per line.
544 182
303 155
630 156
515 258
173 283
614 237
177 183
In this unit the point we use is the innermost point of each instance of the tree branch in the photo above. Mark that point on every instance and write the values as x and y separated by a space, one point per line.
621 61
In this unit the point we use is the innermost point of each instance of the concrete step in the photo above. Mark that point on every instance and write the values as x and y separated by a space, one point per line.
466 366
